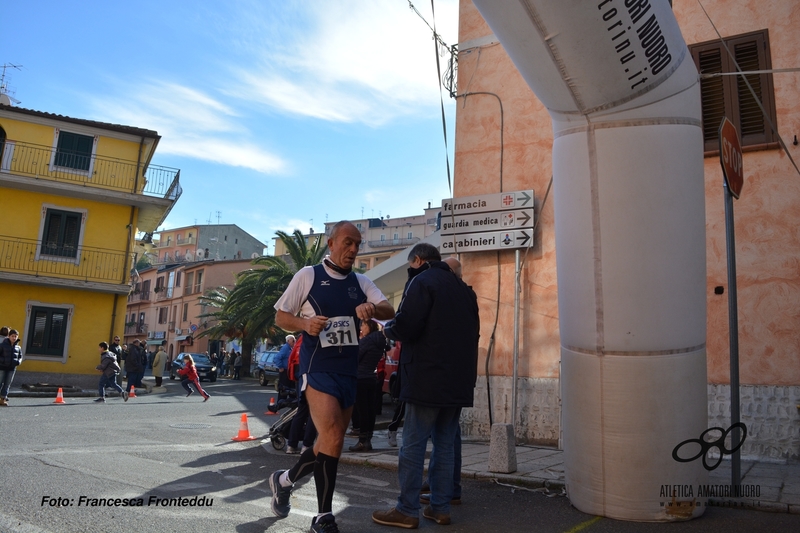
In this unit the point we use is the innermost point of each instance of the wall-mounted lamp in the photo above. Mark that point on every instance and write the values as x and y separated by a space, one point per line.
795 140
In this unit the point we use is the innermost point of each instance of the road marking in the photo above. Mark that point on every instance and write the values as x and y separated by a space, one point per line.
584 525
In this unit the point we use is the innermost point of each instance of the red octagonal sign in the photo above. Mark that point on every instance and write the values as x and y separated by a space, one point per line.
730 155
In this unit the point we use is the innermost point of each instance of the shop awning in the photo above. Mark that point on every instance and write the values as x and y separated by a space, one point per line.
156 342
181 338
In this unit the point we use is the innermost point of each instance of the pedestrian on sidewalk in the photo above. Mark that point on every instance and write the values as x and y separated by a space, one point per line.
10 359
189 373
438 324
158 364
371 348
237 366
133 366
425 491
226 363
109 368
282 364
302 426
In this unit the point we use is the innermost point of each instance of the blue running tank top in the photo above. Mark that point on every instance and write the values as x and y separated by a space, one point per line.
335 350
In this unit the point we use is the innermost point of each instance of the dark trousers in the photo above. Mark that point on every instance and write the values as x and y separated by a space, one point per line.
302 425
365 400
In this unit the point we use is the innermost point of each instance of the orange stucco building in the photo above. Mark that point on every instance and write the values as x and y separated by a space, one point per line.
492 93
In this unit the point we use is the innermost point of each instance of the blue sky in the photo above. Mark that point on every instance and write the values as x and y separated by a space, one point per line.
277 112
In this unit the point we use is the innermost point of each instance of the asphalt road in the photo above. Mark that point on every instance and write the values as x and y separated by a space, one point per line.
57 462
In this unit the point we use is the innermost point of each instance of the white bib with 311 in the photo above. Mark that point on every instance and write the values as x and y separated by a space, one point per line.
339 331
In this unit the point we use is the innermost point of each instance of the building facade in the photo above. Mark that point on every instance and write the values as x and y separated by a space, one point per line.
76 193
206 241
165 304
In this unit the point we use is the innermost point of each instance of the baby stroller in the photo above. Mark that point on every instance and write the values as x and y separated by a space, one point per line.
279 431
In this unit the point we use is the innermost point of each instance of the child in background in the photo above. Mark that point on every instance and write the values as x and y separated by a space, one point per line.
189 373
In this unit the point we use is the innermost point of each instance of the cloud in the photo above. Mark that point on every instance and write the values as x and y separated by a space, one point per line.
366 61
191 124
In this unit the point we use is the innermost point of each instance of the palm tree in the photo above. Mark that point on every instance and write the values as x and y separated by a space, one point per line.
247 311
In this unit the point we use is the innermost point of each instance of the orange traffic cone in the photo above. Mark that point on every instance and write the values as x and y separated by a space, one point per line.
272 409
60 397
244 432
132 394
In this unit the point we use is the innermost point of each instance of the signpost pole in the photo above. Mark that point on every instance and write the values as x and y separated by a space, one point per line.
730 157
733 327
516 341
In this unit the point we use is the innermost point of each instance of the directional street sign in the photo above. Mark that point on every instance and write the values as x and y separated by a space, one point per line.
492 240
487 202
487 222
505 220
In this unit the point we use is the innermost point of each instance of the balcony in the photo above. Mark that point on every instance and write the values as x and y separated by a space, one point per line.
42 168
136 329
34 161
180 241
393 243
94 265
139 297
164 293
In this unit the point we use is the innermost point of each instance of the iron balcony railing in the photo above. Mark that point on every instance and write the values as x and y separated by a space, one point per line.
45 162
142 296
84 263
136 329
185 240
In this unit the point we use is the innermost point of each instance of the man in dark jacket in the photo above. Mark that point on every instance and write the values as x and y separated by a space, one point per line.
133 366
438 324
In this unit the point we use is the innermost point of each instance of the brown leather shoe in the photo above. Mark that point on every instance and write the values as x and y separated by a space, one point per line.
395 518
440 518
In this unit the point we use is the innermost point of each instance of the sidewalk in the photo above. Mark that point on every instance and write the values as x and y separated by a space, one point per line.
542 468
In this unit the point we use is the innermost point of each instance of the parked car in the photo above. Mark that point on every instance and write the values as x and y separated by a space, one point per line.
392 362
266 369
205 368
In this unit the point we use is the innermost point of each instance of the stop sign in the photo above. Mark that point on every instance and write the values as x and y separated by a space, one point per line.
730 156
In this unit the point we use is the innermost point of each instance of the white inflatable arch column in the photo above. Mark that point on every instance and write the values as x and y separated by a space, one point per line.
624 97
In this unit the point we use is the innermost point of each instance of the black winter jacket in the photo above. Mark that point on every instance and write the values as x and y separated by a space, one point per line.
370 350
438 324
10 355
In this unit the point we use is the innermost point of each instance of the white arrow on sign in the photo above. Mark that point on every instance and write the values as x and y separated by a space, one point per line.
492 240
482 222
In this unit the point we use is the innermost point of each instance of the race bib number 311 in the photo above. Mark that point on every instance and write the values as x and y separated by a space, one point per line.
339 331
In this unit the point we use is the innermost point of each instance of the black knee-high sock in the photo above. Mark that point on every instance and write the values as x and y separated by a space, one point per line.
325 468
304 465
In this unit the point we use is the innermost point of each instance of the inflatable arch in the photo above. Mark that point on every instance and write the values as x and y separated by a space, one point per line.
624 97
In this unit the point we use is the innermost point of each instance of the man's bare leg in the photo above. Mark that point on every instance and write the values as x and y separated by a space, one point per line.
333 421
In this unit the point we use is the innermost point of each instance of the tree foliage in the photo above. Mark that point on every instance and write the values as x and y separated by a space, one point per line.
247 311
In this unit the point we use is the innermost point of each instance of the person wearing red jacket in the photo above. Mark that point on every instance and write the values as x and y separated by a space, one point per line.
189 373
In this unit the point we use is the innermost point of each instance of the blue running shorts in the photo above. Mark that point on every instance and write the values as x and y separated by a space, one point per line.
341 387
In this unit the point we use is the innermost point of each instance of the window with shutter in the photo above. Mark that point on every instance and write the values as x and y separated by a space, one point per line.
74 151
47 331
62 231
729 95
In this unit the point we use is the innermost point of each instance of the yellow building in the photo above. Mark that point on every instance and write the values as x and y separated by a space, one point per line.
75 193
